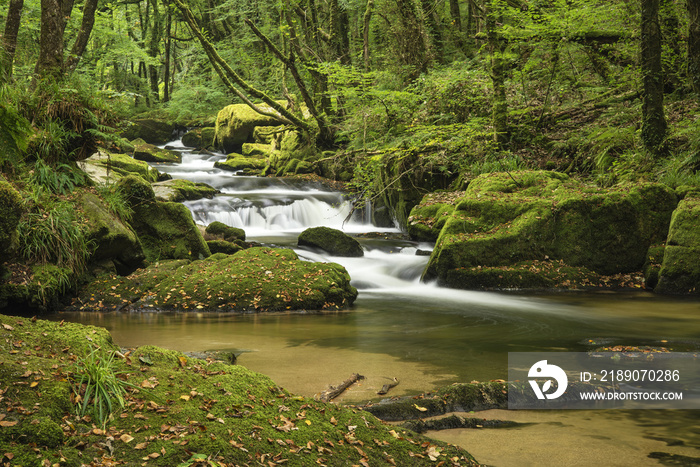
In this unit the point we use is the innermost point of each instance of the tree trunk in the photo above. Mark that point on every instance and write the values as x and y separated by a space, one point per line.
166 72
653 120
9 40
694 44
499 111
455 14
154 40
365 32
53 25
81 40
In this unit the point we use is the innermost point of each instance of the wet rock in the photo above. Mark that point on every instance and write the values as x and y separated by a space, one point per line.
235 124
114 241
166 230
200 138
226 232
146 152
104 167
222 246
680 268
507 219
153 131
182 190
255 279
236 162
330 240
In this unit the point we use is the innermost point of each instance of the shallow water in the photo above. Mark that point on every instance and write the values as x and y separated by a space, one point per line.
423 335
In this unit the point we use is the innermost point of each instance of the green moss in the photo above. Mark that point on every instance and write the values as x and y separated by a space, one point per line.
503 219
199 137
184 406
235 125
255 279
10 213
222 246
256 150
652 265
114 166
150 153
236 162
178 190
226 232
330 240
136 191
680 269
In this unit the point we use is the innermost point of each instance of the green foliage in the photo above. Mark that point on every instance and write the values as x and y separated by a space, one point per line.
59 180
98 387
14 129
196 103
116 201
52 233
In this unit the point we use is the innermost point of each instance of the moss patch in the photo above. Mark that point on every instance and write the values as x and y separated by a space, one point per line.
104 167
235 124
680 268
177 190
330 240
150 153
183 407
236 162
10 213
255 279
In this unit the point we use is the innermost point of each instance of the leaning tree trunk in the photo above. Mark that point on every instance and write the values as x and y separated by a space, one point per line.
653 120
9 39
694 44
81 40
499 111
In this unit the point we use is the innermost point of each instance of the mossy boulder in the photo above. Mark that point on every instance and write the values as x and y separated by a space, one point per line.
177 190
200 138
166 230
113 240
267 134
236 162
225 232
146 152
105 167
39 291
10 213
152 131
330 240
680 268
222 246
255 279
503 219
188 411
652 265
235 125
256 150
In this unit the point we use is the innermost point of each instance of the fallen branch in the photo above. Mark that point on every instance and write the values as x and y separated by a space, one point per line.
387 387
334 391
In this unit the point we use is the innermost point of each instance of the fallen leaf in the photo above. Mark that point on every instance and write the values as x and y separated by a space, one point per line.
8 327
422 409
126 438
7 424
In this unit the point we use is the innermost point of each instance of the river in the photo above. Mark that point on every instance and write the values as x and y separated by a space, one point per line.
423 335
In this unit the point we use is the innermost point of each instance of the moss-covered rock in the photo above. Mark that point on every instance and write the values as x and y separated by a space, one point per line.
166 230
680 268
10 213
113 240
225 232
104 167
186 410
222 246
152 130
267 134
255 279
200 138
236 162
503 219
259 151
652 265
330 240
39 290
235 125
177 190
146 152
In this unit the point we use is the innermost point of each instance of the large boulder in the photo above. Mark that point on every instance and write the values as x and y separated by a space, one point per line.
680 267
104 167
256 279
166 230
10 213
507 218
330 240
152 130
113 240
235 125
236 162
200 138
146 152
177 190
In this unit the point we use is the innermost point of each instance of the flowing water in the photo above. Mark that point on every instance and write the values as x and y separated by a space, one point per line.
425 336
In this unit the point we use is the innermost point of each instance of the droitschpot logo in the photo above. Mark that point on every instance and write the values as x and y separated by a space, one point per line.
542 370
